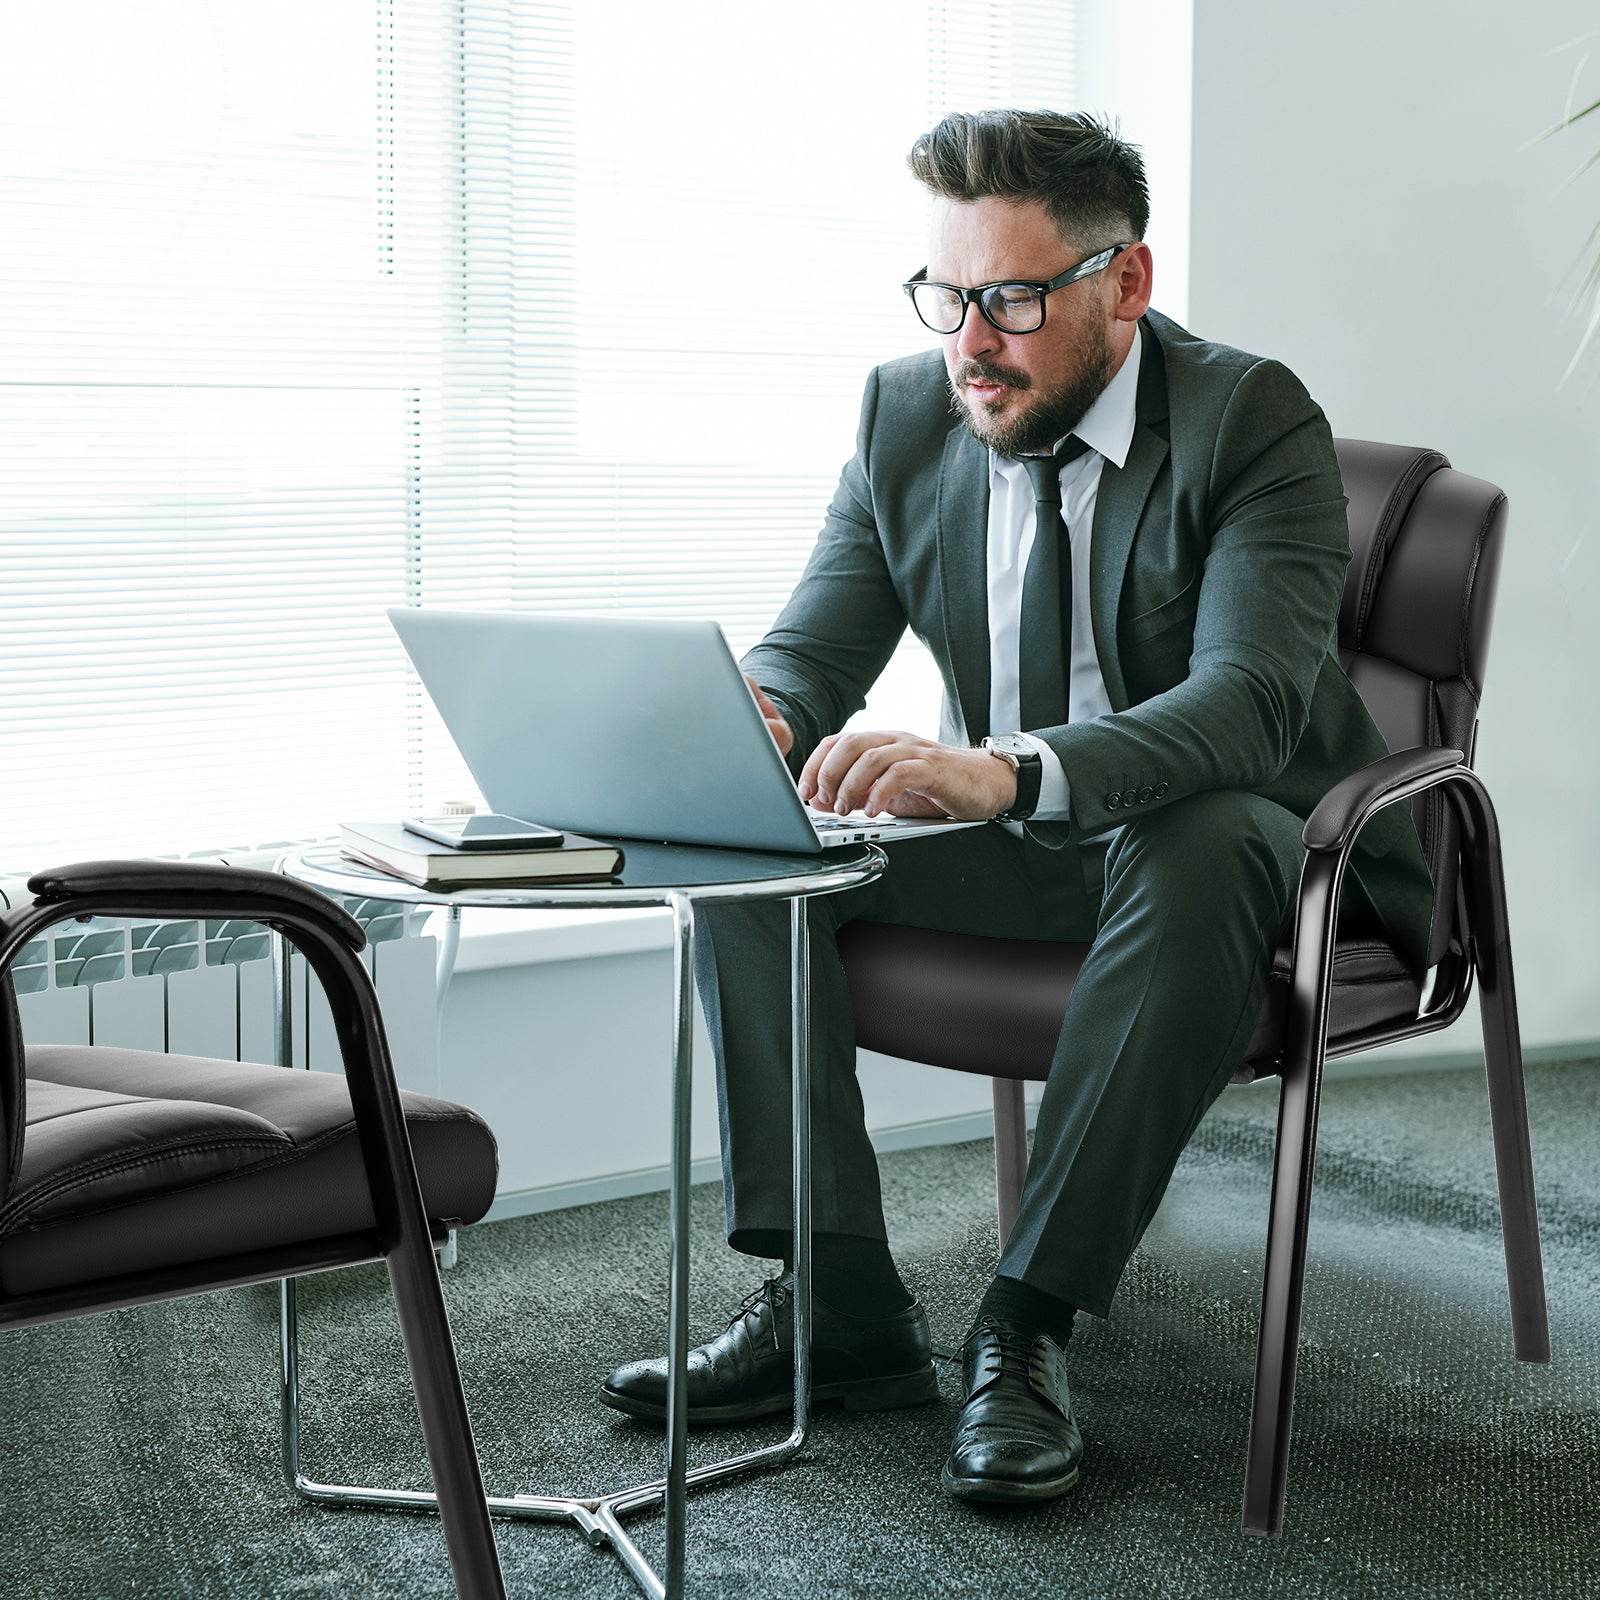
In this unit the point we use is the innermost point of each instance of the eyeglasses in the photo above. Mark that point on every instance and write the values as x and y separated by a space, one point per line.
1013 307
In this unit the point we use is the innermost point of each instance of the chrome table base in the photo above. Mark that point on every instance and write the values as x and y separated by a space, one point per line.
599 1516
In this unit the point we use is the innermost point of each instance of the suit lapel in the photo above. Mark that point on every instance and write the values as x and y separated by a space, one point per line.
963 532
963 523
1119 506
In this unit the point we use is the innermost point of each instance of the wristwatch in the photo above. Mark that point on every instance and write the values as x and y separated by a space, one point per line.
1024 759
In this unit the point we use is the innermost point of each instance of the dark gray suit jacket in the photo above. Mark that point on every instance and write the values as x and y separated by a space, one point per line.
1217 562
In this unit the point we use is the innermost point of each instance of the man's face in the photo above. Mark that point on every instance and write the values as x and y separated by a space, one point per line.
1020 392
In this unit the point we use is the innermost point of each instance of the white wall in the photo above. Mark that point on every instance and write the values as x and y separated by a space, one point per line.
1368 206
1134 62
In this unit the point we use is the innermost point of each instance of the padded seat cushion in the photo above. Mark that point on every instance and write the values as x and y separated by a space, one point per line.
1371 986
90 1148
134 1159
977 1003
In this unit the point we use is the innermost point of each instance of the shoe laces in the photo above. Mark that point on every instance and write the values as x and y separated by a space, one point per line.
1008 1340
773 1291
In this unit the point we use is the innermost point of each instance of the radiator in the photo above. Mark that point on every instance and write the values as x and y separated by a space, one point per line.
204 987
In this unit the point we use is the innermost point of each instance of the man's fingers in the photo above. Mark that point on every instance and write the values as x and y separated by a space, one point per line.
782 733
846 765
763 699
903 800
897 781
808 773
869 765
832 762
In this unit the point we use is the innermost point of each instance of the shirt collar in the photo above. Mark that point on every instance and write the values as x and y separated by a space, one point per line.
1107 425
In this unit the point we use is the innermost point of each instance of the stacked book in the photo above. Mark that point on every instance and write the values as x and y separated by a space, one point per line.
391 848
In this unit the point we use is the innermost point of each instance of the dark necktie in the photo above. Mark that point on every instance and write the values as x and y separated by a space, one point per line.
1044 641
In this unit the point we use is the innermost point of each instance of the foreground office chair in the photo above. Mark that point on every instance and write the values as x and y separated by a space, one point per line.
128 1176
1413 637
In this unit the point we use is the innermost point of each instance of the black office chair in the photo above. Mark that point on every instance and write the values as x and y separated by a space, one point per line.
1413 636
128 1176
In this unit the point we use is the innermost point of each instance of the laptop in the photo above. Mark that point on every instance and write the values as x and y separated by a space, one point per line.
634 728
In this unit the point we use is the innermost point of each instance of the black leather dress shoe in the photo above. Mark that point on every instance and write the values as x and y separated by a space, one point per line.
863 1363
1016 1440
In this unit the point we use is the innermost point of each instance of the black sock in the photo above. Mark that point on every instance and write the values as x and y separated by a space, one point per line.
853 1274
1011 1300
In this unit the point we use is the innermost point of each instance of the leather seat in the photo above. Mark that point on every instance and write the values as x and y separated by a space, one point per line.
1370 988
134 1159
977 1003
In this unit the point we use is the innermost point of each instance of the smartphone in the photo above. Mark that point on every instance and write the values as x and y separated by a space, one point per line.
484 832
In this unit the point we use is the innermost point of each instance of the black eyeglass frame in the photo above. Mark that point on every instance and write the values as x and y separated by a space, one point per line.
975 296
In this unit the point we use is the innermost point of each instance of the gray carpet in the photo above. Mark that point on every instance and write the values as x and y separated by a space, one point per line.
140 1447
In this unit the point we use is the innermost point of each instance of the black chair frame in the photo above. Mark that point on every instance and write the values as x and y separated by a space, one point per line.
1481 945
1329 834
402 1237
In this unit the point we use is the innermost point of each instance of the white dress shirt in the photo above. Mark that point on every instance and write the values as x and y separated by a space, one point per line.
1107 428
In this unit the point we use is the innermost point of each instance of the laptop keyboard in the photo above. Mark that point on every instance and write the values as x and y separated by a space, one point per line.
856 818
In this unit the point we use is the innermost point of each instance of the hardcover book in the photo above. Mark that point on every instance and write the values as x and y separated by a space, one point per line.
392 848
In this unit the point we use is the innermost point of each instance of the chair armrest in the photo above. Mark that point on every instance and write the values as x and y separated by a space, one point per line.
327 936
192 888
1340 812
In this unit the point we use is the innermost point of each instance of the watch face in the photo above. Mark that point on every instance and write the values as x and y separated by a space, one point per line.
1012 745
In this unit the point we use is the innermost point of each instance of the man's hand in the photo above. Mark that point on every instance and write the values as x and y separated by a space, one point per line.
780 730
907 776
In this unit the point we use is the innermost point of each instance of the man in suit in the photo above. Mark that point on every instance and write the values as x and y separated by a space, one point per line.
1125 548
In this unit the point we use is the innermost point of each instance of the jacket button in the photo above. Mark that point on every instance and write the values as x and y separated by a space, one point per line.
1113 800
1145 793
1161 789
1130 797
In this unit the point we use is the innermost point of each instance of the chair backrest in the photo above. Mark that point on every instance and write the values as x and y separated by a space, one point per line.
1414 624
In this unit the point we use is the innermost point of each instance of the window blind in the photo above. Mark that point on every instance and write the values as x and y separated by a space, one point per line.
314 309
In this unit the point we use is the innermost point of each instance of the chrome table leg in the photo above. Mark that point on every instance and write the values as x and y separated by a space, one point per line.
599 1516
443 971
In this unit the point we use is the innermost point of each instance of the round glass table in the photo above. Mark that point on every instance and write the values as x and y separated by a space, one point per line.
653 874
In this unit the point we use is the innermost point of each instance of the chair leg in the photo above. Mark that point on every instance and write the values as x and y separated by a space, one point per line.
446 1427
1502 1055
1282 1294
1284 1274
1283 1285
1010 1152
409 1255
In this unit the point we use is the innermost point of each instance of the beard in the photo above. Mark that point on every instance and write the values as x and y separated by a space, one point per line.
1053 412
